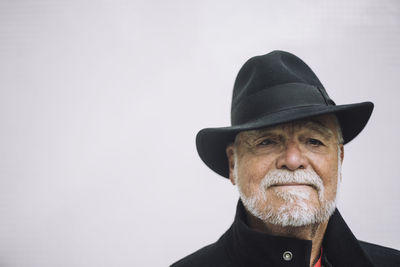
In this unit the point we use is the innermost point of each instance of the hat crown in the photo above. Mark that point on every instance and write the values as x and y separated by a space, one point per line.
273 82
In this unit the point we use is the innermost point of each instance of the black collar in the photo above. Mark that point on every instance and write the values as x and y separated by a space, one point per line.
248 247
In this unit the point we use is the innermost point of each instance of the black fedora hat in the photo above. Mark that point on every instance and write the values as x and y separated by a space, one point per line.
273 89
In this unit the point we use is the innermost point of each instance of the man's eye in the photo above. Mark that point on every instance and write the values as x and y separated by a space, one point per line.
314 142
267 142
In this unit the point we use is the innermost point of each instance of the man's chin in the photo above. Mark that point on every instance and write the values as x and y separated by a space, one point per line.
294 214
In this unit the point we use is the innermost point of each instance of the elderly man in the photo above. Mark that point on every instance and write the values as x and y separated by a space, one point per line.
284 152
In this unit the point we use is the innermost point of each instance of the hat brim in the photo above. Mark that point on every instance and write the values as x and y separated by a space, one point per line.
211 143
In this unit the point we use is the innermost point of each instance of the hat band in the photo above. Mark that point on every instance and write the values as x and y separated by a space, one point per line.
275 99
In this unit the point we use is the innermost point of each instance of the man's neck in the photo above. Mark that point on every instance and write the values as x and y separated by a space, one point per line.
314 232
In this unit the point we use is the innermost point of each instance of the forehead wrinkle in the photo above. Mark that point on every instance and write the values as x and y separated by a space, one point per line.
319 127
312 124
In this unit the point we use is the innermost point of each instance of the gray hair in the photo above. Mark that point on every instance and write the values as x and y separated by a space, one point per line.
339 131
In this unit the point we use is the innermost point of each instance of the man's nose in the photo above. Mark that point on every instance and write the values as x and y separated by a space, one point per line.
292 158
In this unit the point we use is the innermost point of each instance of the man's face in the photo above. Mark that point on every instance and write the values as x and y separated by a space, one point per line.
288 174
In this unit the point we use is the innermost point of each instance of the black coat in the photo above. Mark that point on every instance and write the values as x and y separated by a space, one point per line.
244 247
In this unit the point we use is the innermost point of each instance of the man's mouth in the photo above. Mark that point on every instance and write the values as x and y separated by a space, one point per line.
293 185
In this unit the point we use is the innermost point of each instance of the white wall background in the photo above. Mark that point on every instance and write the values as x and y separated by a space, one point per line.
100 102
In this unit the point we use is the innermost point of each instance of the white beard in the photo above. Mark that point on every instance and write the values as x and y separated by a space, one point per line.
296 211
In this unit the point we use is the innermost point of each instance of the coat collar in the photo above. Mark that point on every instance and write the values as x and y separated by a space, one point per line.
341 246
249 247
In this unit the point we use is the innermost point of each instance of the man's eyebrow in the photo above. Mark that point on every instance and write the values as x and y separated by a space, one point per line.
262 132
251 135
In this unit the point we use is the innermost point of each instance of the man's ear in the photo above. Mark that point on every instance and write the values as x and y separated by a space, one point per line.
230 154
341 156
341 147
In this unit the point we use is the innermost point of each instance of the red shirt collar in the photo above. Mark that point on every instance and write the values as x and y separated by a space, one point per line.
318 264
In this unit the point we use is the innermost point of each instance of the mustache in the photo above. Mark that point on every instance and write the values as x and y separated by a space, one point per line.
281 177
